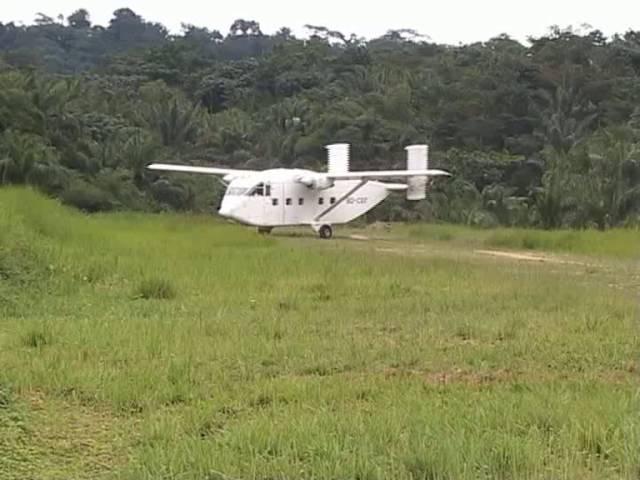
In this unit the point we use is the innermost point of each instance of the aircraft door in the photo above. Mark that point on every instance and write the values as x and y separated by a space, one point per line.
296 204
273 205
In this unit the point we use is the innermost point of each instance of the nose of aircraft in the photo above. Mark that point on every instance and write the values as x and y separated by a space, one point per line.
226 211
228 208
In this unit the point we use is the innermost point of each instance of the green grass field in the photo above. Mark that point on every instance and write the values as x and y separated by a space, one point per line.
176 347
618 243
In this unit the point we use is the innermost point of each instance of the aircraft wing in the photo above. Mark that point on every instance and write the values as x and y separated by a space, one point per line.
166 167
370 175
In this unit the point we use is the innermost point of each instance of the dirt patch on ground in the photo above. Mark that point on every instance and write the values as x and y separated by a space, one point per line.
410 250
456 376
530 257
508 255
403 251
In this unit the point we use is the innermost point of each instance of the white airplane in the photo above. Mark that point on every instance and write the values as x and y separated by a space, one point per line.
288 197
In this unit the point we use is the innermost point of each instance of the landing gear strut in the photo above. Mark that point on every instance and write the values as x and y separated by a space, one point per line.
325 232
264 230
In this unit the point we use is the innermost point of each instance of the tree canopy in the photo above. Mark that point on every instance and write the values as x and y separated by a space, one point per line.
545 133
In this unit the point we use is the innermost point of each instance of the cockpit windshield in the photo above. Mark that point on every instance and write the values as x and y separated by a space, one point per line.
237 190
261 190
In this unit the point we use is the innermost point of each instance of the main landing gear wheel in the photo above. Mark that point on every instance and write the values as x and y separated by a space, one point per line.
264 230
325 232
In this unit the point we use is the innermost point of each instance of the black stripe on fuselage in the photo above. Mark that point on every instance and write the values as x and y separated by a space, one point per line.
341 199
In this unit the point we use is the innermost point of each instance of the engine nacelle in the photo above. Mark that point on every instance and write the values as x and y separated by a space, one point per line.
322 183
317 182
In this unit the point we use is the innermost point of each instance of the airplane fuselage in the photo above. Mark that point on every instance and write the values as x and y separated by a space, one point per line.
274 198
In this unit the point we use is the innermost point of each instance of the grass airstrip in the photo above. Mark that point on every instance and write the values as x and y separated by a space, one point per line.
140 346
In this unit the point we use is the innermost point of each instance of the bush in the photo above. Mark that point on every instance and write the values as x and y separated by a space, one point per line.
5 396
170 195
36 338
119 187
155 288
87 197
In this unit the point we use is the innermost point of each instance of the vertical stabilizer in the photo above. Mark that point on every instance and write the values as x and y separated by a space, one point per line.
417 159
338 154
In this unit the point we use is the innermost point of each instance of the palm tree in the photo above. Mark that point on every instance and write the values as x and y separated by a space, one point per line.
51 100
284 123
232 130
551 198
139 150
20 155
565 116
175 121
612 182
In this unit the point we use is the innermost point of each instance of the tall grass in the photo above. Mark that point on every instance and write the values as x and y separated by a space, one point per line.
274 361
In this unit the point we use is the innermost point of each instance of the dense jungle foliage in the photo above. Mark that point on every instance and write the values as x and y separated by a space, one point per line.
543 134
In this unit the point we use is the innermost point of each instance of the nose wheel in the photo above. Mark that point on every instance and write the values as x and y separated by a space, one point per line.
325 232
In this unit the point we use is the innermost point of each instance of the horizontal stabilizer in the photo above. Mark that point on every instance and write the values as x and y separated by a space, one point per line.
395 187
370 175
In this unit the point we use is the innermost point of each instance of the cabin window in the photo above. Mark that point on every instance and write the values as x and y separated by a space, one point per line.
301 201
274 202
333 200
267 190
321 201
288 201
